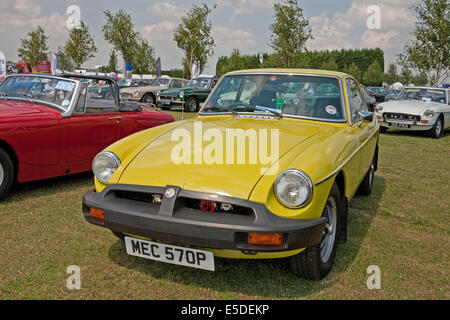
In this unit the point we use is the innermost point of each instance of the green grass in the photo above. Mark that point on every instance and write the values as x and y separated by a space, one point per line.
403 227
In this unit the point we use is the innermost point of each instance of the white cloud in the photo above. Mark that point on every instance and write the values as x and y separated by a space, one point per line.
227 39
159 31
167 10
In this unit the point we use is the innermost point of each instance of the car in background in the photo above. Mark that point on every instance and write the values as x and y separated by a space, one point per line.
190 97
148 94
369 98
380 93
52 126
417 109
102 91
293 207
392 94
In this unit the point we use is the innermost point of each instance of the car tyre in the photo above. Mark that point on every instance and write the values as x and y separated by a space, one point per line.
366 186
315 262
192 105
6 173
438 128
148 98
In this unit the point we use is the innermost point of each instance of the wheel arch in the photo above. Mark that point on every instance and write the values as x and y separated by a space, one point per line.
148 93
12 153
342 231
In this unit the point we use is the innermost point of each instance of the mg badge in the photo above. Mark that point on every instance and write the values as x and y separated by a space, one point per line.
170 193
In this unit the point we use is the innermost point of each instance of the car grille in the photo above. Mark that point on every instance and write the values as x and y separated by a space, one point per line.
138 196
200 206
125 95
401 117
214 206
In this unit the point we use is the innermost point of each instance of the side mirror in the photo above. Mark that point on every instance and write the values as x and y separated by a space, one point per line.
367 116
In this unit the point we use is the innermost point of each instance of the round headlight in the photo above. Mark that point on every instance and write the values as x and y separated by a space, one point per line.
104 165
181 94
136 94
429 113
293 188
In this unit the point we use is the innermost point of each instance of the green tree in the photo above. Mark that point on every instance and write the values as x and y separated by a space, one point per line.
64 62
406 75
420 79
330 65
290 31
354 71
113 62
80 47
34 49
429 50
144 61
374 75
193 36
391 76
119 32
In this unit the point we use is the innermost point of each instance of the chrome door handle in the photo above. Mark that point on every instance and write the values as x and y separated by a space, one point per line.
115 118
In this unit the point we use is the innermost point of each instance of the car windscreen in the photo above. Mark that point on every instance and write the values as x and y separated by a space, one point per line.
55 91
307 96
124 82
199 83
434 95
160 82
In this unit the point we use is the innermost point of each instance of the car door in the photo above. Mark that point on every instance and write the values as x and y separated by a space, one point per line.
93 125
362 129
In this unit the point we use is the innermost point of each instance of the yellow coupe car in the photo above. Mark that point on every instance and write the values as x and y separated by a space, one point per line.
266 170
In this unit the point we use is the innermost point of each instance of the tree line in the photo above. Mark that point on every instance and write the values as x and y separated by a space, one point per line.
425 58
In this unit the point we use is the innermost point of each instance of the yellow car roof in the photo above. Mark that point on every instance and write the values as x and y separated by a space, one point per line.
302 71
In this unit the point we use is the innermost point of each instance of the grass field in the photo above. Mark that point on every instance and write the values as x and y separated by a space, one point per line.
403 227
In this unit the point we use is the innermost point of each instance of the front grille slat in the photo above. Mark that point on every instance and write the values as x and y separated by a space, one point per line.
401 117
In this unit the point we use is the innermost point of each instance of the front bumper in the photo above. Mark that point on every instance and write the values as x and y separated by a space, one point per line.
173 221
406 125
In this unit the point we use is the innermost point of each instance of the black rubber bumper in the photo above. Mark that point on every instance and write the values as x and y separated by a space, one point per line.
127 209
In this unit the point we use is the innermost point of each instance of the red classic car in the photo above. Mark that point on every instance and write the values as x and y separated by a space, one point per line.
54 126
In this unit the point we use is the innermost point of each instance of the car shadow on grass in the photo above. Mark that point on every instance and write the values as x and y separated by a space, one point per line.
46 187
270 279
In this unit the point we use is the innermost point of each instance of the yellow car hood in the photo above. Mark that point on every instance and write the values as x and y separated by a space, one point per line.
153 166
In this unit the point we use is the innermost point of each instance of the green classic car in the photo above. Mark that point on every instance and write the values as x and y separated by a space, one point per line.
195 93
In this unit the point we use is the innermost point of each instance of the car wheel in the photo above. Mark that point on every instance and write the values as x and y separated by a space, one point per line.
6 173
148 98
383 129
191 105
315 262
366 186
437 130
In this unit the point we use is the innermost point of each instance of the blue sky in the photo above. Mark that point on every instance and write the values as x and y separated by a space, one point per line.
242 24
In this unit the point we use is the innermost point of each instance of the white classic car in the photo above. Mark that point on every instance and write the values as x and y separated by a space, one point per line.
418 109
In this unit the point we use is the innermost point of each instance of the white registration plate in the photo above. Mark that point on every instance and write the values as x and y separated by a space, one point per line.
166 102
170 254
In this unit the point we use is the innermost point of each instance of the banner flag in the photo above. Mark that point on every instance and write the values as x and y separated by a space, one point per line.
2 65
158 67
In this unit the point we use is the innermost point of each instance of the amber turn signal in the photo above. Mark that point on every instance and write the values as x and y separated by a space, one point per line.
265 239
97 213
